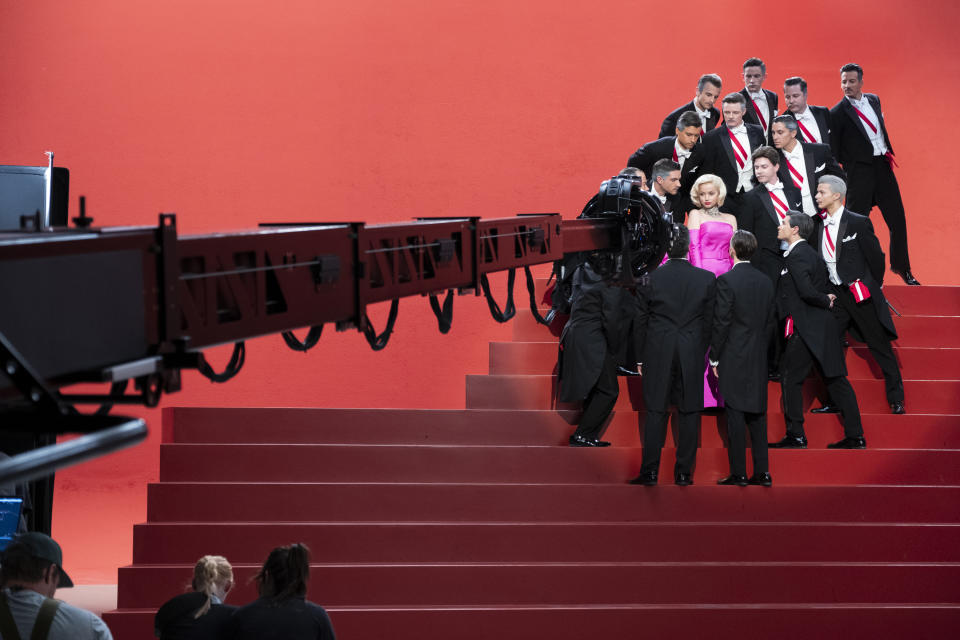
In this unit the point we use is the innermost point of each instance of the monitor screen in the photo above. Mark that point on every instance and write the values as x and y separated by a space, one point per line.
23 192
9 519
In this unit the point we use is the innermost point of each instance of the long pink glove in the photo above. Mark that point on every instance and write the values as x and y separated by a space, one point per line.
694 255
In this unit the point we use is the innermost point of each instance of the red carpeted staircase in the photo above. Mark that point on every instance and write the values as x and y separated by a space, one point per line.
482 524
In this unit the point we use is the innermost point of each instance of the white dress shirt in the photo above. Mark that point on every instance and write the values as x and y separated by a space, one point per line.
876 139
776 189
682 154
656 194
705 115
810 123
800 164
746 171
760 99
831 223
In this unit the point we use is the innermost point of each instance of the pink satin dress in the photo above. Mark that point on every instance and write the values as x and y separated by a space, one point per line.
710 250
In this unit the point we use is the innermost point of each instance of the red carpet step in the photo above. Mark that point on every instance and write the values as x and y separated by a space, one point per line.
482 523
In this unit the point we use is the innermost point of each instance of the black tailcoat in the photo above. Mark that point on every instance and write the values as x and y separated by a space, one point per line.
669 126
751 115
859 257
743 323
676 310
802 294
759 217
819 162
822 116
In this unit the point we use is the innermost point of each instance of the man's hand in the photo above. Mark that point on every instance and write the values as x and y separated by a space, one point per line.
715 374
832 299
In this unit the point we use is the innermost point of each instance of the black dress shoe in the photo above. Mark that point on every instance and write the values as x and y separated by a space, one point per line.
740 481
908 278
789 442
580 441
762 479
683 479
623 371
897 408
827 408
849 443
646 478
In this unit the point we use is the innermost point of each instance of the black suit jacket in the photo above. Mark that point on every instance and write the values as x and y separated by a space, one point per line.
822 116
859 257
715 155
758 216
751 115
669 126
802 294
646 156
673 323
742 325
599 317
820 162
848 136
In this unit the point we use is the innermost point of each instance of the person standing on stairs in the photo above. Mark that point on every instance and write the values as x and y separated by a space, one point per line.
810 329
672 331
742 326
591 345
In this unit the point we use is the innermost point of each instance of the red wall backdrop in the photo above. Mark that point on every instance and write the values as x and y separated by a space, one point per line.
234 112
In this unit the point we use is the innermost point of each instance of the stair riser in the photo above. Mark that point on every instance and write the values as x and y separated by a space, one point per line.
567 623
539 392
519 584
373 463
602 542
262 502
493 427
540 358
912 331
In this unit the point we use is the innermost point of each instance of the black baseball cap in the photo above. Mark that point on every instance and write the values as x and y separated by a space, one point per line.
46 548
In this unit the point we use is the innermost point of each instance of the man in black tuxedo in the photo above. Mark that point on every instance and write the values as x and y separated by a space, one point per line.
672 329
726 151
590 347
677 146
803 306
802 163
665 182
708 90
742 325
761 104
854 260
860 142
764 209
814 121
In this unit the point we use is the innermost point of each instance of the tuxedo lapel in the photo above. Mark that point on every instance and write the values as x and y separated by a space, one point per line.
821 119
853 115
875 103
811 167
768 205
727 145
841 234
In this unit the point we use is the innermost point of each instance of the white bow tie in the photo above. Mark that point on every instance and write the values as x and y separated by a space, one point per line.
775 187
740 129
830 221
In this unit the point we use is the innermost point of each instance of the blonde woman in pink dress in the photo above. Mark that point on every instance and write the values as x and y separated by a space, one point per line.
710 233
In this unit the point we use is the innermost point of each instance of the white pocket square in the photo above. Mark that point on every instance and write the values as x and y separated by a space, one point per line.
849 238
820 168
692 169
784 272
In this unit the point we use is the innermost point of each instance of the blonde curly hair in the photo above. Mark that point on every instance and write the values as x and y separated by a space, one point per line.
717 182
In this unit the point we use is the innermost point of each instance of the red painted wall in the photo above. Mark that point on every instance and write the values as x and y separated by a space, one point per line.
232 113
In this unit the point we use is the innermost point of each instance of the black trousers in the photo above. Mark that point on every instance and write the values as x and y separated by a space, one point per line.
864 318
600 401
795 366
876 184
655 433
737 424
